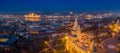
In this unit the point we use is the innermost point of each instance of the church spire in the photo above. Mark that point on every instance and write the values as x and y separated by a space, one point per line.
118 21
92 47
76 25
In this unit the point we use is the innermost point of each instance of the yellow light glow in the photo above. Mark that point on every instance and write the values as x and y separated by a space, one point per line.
3 39
32 17
115 27
32 14
66 37
46 42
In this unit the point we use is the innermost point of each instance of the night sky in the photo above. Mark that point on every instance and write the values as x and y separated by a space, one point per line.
58 5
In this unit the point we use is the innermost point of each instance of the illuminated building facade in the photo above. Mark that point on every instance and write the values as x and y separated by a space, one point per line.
32 17
115 28
7 42
78 42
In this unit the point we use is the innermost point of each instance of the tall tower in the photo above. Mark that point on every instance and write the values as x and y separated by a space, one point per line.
76 29
82 39
118 21
76 25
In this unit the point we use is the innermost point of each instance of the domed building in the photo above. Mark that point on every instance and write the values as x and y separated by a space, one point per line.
32 17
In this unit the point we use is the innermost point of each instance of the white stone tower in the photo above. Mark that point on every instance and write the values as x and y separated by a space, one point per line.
76 29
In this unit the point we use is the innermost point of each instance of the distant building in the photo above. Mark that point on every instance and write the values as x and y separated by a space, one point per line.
111 45
7 42
32 17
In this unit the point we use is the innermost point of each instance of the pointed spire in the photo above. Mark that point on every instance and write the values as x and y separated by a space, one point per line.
118 21
76 22
91 48
76 25
113 22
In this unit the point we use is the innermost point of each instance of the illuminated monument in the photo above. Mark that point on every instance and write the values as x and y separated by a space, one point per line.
79 42
32 17
115 28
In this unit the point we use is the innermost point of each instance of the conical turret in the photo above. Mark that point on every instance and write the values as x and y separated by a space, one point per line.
76 29
76 25
92 47
118 21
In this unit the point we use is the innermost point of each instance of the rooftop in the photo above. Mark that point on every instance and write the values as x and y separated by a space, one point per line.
7 40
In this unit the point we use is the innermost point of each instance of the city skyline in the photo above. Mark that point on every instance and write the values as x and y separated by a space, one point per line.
58 5
59 26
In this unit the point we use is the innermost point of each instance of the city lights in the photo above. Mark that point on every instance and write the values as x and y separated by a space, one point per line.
59 26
